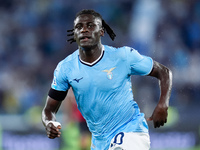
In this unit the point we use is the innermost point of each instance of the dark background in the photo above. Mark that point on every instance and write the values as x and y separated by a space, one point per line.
33 38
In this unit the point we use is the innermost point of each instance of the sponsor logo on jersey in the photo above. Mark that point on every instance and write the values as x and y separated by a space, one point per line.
77 80
109 73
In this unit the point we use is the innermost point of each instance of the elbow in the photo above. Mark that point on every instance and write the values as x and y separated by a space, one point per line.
169 73
170 76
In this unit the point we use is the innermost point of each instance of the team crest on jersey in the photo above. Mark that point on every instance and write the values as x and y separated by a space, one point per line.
109 73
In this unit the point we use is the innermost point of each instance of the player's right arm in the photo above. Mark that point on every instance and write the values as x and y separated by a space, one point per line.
56 95
49 117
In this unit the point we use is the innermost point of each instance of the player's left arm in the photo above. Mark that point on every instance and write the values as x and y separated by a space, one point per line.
164 75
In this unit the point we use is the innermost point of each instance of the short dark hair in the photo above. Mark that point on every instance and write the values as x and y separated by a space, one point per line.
105 26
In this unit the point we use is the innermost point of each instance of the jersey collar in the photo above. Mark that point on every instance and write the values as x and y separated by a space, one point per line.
94 62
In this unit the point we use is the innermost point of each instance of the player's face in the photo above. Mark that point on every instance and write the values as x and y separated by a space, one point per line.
87 30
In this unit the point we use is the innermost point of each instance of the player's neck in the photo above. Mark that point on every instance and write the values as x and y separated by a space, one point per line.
91 54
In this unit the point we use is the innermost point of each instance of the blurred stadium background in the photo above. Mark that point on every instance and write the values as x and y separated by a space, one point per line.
33 38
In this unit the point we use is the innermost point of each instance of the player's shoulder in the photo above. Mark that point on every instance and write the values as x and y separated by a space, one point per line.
68 61
120 52
118 49
127 49
69 58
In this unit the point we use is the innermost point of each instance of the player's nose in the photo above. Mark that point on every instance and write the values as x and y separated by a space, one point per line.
84 29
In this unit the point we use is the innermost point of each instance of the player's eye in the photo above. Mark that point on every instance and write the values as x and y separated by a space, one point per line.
91 26
78 27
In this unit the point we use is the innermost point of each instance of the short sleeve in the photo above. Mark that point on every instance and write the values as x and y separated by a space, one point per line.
138 64
60 81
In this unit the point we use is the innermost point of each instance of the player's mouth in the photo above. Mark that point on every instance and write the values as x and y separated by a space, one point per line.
84 38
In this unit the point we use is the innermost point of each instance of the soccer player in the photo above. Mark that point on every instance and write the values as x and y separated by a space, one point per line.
100 76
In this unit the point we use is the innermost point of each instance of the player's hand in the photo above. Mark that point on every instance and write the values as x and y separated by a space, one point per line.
159 116
53 129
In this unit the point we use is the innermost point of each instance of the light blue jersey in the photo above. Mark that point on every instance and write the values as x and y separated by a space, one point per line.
103 91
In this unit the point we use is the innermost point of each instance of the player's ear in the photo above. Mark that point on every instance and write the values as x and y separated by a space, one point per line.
102 32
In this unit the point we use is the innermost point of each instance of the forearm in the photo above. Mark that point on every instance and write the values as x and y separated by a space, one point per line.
47 116
50 110
165 82
164 75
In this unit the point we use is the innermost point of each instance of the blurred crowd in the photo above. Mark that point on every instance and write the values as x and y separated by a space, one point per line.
33 39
